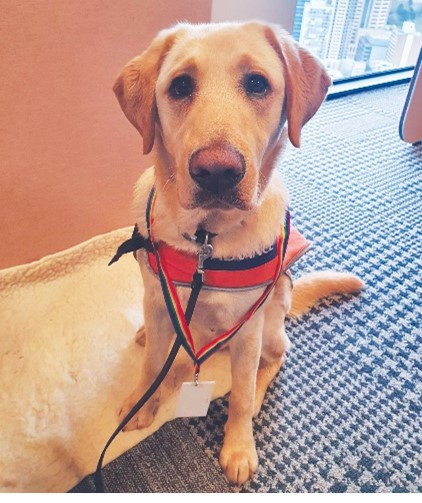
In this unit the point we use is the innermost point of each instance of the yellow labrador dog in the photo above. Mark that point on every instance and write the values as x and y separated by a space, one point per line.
216 103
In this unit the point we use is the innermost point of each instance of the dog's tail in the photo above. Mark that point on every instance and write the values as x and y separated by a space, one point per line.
312 287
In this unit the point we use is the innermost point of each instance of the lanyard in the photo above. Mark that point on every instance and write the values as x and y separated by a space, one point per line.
172 301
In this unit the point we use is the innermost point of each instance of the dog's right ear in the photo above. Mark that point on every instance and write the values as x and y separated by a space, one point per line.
135 86
307 80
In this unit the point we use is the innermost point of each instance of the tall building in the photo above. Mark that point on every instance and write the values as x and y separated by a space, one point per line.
375 14
404 48
317 21
373 47
336 34
297 23
344 34
352 34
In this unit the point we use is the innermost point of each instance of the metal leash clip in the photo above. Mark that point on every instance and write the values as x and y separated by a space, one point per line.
204 253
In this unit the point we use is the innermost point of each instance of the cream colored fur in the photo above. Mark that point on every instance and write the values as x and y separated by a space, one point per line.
220 114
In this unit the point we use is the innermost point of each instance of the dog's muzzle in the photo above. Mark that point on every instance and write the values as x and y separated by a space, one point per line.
217 170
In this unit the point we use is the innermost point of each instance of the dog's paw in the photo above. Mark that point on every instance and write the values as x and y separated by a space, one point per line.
144 417
141 336
239 464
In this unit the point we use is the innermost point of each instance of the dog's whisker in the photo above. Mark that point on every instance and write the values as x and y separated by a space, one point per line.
169 180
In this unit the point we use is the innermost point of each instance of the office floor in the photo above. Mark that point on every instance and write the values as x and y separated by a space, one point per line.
345 413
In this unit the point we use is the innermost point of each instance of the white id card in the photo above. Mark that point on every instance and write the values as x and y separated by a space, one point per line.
194 399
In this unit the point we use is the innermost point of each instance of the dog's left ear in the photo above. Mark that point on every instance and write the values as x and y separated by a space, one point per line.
307 81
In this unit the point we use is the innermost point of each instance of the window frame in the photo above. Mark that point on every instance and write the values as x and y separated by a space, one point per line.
368 81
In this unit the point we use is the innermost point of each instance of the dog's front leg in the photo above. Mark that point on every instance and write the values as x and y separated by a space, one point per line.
158 332
238 456
275 341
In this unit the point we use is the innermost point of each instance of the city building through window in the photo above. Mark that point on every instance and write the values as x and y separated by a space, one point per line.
357 37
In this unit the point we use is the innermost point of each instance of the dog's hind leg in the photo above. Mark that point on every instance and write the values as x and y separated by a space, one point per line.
275 342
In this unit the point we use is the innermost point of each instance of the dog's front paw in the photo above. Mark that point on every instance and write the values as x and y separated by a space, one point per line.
144 417
239 464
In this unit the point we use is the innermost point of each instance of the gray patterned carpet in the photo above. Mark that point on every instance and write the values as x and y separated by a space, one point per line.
345 414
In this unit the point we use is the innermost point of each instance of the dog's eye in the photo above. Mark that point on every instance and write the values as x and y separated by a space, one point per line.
256 84
182 87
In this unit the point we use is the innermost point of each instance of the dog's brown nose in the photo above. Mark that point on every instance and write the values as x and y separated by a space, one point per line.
217 169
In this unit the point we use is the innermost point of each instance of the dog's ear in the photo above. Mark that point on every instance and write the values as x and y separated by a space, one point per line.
135 86
307 81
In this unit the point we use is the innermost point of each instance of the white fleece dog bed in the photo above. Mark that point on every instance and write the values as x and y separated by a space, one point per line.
68 358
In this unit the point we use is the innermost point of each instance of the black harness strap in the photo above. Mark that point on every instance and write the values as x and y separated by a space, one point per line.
136 242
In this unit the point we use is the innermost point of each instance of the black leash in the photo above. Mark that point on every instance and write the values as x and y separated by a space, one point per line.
98 478
132 245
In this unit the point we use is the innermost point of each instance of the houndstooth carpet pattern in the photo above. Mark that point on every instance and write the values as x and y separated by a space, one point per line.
344 415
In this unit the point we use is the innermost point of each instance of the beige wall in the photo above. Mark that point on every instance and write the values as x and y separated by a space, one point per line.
273 11
68 156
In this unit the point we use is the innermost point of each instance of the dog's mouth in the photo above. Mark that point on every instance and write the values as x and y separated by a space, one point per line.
229 201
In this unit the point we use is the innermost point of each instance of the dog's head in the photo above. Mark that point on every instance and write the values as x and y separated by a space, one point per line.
212 101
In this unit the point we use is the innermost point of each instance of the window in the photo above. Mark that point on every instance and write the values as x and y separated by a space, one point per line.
360 37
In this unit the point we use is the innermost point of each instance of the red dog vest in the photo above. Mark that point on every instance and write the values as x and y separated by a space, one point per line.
229 274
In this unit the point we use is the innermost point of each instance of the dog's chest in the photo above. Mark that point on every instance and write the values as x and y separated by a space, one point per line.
218 311
215 311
